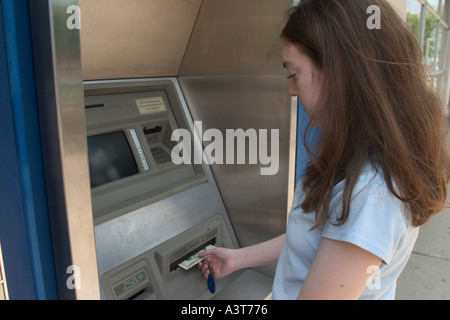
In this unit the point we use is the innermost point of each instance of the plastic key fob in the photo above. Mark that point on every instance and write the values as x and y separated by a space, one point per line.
211 284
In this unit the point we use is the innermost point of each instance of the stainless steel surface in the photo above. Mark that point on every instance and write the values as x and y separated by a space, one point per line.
232 77
63 128
239 289
135 38
236 38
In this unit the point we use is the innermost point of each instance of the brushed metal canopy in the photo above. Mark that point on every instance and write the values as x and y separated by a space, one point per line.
135 38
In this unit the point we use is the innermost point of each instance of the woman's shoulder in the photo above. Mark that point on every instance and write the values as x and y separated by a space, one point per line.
371 194
370 177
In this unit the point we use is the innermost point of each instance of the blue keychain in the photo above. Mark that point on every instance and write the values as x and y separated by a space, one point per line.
211 282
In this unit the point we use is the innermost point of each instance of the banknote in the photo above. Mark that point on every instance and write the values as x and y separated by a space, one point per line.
194 259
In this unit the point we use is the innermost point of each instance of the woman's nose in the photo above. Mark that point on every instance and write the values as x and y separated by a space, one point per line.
293 89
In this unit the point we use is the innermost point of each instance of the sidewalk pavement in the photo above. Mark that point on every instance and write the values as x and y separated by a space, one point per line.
427 274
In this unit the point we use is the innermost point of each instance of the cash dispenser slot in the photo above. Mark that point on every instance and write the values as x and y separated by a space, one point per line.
175 265
169 255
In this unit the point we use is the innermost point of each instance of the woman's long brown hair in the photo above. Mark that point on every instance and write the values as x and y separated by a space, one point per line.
377 103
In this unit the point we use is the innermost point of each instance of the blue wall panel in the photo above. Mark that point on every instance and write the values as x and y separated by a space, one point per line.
302 158
24 226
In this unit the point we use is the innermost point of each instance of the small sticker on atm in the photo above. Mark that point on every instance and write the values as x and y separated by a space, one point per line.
151 105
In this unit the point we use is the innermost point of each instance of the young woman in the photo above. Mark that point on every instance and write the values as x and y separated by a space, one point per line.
379 170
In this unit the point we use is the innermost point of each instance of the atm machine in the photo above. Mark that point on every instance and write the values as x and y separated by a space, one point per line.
150 213
150 69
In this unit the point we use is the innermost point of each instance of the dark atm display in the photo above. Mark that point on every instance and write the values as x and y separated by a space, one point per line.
110 158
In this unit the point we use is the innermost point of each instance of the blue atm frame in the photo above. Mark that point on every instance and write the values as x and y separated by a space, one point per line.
302 158
24 224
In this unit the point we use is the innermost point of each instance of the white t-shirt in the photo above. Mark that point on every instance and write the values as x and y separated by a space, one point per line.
378 222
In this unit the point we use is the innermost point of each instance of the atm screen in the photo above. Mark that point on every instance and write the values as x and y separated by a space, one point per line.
110 158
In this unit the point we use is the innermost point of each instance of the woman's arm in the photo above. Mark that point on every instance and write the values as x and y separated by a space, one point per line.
340 270
261 254
225 261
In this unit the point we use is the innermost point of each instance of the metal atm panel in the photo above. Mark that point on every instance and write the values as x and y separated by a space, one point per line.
59 87
135 38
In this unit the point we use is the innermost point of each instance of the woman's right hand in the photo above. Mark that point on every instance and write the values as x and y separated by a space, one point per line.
220 262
